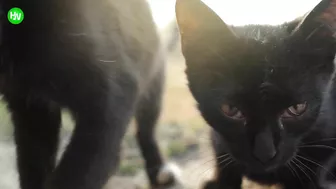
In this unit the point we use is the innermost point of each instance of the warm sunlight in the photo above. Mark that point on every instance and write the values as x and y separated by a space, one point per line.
241 12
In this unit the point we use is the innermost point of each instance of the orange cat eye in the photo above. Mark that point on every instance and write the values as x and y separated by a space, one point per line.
294 111
232 112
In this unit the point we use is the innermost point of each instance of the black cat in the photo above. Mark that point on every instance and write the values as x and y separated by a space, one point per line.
267 92
102 60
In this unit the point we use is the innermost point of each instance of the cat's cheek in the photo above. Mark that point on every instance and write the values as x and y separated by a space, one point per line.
298 127
288 149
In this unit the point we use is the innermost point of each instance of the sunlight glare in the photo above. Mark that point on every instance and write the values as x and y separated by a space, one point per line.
241 12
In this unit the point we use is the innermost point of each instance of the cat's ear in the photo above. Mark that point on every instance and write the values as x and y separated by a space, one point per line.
319 24
291 26
199 25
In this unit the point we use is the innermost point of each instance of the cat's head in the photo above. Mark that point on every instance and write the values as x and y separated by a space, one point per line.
262 94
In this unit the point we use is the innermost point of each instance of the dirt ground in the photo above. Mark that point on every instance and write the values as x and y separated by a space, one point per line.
195 166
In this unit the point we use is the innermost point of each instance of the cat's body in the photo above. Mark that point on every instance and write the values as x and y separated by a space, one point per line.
100 59
268 94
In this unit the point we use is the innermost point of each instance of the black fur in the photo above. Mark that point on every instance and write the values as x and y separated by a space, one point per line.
262 71
100 59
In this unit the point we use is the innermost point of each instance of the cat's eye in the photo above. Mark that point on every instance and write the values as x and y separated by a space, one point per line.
232 112
294 111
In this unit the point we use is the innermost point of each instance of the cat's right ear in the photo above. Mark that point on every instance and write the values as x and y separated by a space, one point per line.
318 27
200 27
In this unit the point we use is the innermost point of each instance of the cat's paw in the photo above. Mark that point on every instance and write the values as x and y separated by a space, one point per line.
169 177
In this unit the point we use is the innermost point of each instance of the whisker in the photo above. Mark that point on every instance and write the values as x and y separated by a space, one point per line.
225 155
322 140
317 146
226 159
204 172
306 166
303 171
211 160
296 173
229 158
222 168
290 169
313 162
307 173
217 158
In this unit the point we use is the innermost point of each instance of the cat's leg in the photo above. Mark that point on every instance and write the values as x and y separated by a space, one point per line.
160 175
37 125
102 108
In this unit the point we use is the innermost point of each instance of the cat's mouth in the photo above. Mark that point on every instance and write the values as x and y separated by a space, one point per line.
262 168
253 165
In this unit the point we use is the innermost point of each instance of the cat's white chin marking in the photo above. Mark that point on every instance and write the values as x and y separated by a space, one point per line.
248 184
168 172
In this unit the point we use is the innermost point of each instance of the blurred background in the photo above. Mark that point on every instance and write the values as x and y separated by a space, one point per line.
181 132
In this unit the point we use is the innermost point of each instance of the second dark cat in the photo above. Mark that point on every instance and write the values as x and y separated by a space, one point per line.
100 59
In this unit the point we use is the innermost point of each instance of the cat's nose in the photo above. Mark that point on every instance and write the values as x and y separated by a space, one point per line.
264 149
264 156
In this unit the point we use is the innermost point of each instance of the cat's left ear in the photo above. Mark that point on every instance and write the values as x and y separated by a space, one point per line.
200 27
319 25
